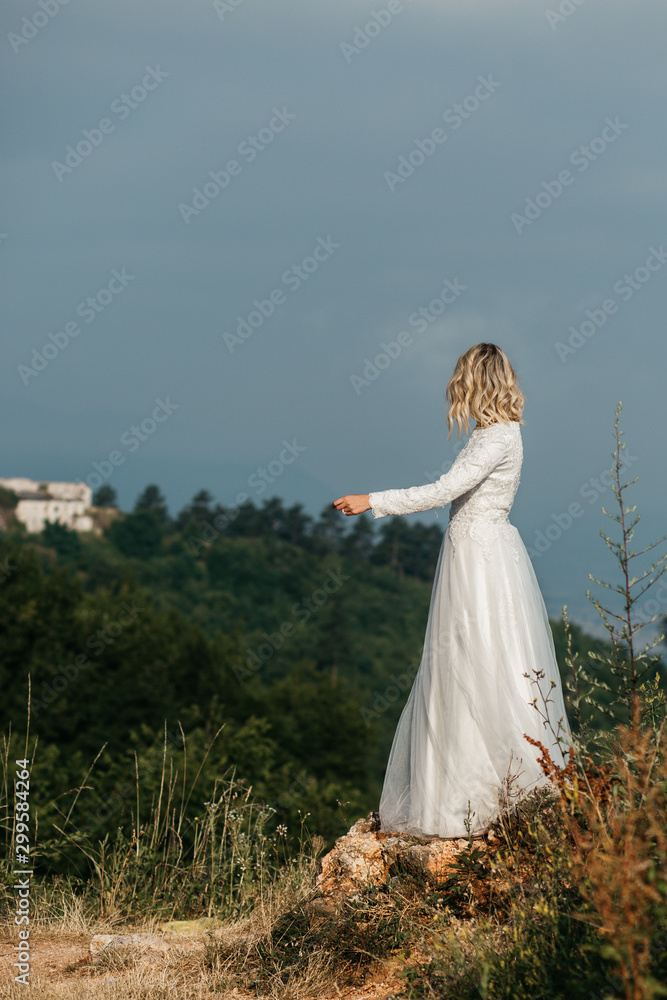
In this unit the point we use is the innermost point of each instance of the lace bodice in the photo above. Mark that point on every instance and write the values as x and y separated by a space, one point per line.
481 486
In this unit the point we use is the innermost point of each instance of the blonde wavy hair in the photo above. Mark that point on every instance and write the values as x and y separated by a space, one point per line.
484 386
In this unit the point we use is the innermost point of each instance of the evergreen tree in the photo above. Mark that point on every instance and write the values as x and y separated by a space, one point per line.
359 541
66 542
196 512
105 496
329 530
138 535
151 499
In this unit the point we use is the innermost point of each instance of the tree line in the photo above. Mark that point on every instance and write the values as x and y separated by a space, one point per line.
294 638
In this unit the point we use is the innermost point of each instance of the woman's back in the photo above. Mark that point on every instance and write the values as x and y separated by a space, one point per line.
483 510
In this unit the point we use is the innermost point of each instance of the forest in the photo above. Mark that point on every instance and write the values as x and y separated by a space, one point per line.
299 636
205 702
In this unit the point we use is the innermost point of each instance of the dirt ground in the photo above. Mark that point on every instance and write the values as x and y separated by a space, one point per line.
61 966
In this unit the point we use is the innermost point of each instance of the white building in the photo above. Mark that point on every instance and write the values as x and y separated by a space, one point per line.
68 503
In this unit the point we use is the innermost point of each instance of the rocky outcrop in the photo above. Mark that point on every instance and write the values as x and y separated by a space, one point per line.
365 854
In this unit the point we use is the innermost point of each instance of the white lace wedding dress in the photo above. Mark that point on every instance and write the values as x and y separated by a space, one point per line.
459 751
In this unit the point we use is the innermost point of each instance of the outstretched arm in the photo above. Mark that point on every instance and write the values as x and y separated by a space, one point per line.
355 503
482 453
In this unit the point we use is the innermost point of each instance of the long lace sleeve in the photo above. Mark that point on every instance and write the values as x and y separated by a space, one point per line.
484 450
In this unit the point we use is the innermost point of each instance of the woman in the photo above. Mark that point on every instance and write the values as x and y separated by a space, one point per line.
488 673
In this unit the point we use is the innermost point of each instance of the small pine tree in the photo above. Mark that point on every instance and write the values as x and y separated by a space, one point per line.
105 496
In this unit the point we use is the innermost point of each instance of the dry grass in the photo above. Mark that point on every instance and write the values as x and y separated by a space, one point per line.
228 960
620 854
572 889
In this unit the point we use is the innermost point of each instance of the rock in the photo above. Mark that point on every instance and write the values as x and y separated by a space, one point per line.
105 943
322 906
365 854
435 857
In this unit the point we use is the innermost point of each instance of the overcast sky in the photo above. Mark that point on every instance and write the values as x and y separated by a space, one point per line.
498 166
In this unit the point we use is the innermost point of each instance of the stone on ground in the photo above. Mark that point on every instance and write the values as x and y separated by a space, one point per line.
105 943
364 854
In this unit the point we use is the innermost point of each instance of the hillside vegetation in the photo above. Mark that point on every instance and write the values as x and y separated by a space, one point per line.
205 702
299 638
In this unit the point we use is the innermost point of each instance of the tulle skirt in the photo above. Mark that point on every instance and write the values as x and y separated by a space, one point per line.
459 754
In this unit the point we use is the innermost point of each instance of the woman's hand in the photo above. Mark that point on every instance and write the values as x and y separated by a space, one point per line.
355 503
